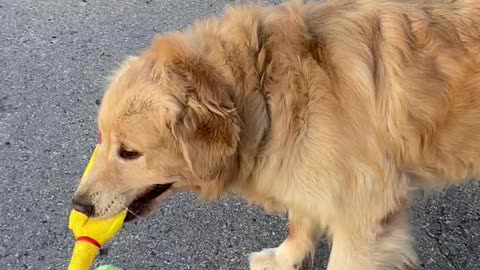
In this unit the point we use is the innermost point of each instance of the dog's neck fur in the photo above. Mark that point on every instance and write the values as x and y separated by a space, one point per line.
242 60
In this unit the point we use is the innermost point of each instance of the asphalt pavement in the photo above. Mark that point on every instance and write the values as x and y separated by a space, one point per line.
54 59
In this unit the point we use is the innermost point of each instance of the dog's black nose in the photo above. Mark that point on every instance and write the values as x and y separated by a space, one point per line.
82 205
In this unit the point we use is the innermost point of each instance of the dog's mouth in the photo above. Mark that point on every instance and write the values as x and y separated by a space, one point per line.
148 201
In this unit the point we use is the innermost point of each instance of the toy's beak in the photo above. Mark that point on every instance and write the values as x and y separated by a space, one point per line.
90 163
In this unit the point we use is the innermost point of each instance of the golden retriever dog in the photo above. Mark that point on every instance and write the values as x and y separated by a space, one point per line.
333 112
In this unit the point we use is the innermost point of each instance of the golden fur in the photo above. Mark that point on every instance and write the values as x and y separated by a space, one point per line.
330 111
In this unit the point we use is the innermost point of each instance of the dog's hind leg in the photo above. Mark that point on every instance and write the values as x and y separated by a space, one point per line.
302 238
384 246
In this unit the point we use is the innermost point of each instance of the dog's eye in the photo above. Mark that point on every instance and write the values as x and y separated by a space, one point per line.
128 154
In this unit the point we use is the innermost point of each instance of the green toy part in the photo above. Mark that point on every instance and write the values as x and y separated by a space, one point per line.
107 267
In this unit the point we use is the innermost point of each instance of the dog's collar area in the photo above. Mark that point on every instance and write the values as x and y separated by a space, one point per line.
262 70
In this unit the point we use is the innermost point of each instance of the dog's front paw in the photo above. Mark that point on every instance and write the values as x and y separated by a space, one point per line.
268 259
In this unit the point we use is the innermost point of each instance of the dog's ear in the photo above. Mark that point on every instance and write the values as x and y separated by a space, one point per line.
207 126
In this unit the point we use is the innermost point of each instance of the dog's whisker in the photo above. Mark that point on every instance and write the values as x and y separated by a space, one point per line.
131 212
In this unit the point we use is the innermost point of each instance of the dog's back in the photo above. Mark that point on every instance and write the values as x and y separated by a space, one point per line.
405 75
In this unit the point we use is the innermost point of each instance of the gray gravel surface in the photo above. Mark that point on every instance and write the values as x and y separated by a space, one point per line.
54 57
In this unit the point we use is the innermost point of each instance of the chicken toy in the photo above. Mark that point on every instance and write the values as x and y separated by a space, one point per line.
91 233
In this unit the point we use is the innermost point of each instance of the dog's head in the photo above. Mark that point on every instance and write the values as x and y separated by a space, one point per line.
167 123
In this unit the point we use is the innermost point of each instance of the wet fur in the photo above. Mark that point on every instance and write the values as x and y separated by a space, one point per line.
332 111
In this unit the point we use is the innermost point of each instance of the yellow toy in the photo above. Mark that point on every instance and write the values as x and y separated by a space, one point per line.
91 233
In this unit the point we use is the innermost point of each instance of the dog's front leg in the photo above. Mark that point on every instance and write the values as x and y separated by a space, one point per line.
383 246
301 241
